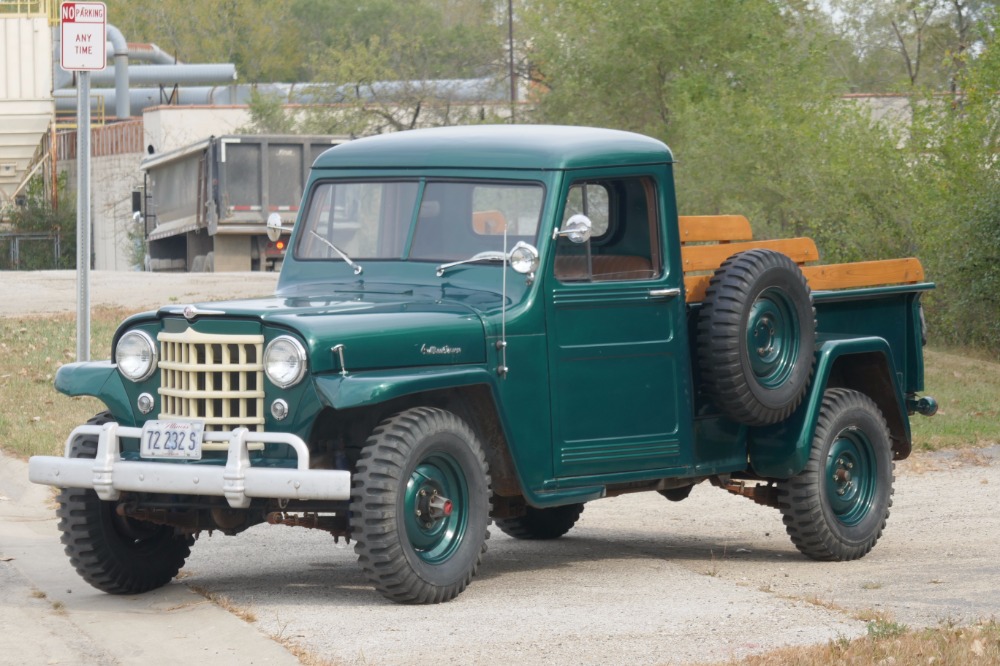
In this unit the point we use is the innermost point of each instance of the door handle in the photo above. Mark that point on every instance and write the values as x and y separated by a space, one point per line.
665 293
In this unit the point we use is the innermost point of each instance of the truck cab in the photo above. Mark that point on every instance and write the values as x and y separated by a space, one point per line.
496 323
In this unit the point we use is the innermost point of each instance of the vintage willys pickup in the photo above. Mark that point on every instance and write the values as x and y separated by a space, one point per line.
495 323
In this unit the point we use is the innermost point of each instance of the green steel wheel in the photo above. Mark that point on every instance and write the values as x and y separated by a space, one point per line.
756 337
542 523
837 507
420 506
115 554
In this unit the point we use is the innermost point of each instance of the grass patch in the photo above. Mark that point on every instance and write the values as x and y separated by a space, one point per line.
891 643
967 390
36 418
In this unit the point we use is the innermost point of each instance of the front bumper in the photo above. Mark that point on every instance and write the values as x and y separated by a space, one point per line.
238 481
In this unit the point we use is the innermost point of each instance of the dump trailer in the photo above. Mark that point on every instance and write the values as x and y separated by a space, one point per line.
205 205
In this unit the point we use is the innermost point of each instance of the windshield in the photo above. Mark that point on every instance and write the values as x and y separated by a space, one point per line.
452 220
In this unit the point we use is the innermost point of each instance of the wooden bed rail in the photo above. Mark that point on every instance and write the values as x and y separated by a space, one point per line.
708 240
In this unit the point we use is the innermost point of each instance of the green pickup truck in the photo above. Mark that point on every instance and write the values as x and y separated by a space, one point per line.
498 324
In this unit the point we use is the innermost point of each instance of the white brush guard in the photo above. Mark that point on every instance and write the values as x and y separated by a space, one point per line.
238 481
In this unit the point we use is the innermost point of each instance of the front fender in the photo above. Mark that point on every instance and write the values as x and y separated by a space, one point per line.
98 379
864 364
359 389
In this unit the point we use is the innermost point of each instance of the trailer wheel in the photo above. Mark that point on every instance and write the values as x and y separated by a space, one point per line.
837 507
115 554
756 334
542 524
420 506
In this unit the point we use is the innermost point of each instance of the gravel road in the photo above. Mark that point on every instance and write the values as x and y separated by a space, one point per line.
639 580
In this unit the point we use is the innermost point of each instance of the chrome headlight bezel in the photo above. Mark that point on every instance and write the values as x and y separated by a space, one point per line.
292 350
137 364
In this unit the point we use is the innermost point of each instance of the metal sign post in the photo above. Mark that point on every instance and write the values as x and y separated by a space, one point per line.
84 25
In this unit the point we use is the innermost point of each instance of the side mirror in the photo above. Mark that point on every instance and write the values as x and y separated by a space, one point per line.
274 227
577 229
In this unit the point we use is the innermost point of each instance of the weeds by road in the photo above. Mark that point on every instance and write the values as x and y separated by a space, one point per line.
890 643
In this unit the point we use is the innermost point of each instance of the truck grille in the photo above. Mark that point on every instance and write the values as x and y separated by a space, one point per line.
215 378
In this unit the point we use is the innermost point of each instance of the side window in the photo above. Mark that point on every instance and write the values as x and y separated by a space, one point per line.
624 244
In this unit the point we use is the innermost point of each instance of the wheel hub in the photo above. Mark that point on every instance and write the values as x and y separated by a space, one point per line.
852 471
771 338
432 506
842 476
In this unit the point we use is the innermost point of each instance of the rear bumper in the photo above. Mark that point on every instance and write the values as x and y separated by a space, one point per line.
238 481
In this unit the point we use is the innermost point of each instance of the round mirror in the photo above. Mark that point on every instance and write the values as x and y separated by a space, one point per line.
577 229
273 227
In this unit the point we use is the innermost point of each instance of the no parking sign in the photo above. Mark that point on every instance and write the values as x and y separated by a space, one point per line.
83 36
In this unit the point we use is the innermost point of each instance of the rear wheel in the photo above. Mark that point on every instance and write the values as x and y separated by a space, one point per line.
542 523
115 554
420 506
837 507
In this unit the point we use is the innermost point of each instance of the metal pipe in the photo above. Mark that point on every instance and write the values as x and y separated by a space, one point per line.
151 53
463 90
144 75
121 70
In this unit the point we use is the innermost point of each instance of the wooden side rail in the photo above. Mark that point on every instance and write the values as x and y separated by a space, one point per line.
710 257
864 274
714 228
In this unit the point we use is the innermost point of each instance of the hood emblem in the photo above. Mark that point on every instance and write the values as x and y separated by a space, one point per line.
190 312
432 350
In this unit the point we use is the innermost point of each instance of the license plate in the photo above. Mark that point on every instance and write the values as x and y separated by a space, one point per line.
172 439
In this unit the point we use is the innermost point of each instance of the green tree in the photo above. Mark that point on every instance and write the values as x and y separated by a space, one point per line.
905 44
960 145
258 36
392 66
37 216
740 90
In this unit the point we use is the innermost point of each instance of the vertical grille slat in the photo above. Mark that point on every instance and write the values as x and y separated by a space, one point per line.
215 378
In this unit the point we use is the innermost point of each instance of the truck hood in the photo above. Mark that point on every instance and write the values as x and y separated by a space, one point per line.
377 330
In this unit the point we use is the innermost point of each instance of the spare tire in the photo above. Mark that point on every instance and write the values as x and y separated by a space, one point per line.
756 337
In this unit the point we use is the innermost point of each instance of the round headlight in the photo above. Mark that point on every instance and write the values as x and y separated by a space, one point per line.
524 258
136 355
285 361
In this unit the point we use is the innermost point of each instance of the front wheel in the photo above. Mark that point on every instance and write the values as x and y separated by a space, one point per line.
115 554
837 507
420 506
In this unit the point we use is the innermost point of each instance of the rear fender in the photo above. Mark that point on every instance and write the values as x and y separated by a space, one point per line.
863 364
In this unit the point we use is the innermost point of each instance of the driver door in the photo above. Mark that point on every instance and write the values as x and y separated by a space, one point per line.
617 335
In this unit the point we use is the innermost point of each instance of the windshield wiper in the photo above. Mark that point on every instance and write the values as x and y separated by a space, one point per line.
357 268
491 255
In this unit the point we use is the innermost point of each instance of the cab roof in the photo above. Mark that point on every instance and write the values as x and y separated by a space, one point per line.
545 147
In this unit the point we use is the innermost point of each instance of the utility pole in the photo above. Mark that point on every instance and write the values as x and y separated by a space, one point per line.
510 50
